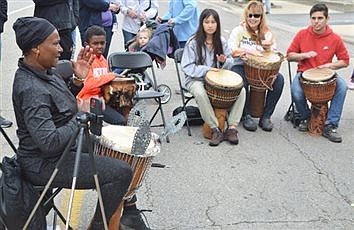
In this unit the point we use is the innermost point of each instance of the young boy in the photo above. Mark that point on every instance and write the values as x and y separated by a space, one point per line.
95 37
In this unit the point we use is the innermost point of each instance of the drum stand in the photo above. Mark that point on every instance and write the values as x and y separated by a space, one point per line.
80 133
318 118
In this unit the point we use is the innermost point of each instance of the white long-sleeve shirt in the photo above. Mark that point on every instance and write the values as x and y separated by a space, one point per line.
133 25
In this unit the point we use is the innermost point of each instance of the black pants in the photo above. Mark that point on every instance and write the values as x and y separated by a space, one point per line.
66 42
114 177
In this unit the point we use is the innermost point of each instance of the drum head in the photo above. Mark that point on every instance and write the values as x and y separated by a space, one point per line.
123 79
317 75
267 57
224 78
120 138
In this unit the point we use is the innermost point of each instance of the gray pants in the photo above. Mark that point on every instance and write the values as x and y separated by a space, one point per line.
196 88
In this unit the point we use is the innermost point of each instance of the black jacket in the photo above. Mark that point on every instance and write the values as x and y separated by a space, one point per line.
3 14
61 13
45 111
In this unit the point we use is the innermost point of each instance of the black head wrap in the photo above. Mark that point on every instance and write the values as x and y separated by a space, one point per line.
31 31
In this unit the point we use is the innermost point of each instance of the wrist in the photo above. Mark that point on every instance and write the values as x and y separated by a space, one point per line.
78 79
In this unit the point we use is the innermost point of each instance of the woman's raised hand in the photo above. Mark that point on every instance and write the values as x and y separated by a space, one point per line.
81 66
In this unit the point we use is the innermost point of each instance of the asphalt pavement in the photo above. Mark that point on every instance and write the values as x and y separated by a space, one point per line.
279 180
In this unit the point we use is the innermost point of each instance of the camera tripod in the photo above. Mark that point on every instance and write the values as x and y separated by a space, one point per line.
82 132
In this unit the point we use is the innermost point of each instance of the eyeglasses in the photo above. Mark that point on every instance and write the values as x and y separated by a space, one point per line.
254 15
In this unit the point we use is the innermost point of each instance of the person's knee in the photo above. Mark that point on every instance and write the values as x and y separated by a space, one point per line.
341 86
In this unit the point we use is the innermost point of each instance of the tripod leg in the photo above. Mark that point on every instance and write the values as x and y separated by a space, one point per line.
75 173
95 177
55 172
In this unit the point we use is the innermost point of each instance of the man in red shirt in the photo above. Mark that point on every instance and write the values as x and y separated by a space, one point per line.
315 47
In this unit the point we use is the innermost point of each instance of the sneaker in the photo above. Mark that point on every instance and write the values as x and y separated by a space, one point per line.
303 126
265 124
249 124
351 84
216 137
5 123
330 132
231 136
132 220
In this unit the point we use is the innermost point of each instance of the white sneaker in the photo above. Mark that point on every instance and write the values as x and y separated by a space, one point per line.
351 84
115 27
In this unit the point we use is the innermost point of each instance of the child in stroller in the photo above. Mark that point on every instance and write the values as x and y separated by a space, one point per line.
142 43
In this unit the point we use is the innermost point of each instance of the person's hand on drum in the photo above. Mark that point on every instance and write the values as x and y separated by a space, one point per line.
327 65
309 54
214 69
81 66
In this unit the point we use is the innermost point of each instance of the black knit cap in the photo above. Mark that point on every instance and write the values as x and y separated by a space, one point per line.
31 31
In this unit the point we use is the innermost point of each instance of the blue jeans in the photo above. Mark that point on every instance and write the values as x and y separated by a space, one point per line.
109 34
127 36
272 97
335 109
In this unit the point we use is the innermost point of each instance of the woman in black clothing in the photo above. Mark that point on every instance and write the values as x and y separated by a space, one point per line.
46 111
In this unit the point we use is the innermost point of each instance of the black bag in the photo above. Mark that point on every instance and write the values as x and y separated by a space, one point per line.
17 198
193 115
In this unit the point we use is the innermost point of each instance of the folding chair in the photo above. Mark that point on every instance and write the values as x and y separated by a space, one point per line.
48 204
185 95
140 61
290 114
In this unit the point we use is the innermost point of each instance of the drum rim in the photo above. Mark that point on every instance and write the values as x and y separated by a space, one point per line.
308 82
327 78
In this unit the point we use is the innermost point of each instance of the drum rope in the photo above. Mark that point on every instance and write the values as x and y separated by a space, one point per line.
271 77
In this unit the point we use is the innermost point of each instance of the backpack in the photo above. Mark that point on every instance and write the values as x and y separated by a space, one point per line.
193 115
17 198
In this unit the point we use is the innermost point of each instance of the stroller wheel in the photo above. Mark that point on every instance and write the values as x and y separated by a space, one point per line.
166 90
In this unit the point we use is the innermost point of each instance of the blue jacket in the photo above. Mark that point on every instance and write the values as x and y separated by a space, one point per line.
186 16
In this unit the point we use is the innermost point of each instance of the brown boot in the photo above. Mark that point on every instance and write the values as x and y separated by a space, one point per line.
231 136
216 137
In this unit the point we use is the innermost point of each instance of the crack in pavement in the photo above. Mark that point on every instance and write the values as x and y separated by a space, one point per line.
319 171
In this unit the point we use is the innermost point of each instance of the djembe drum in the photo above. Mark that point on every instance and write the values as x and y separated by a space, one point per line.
223 88
117 141
119 94
319 86
261 72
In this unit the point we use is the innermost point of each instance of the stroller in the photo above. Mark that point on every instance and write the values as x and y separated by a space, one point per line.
162 44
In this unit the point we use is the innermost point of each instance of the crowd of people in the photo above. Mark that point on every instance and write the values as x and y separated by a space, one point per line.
46 106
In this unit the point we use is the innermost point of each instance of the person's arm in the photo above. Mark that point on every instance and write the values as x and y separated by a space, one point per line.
342 56
36 105
187 13
229 61
3 11
152 11
100 5
188 62
234 42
